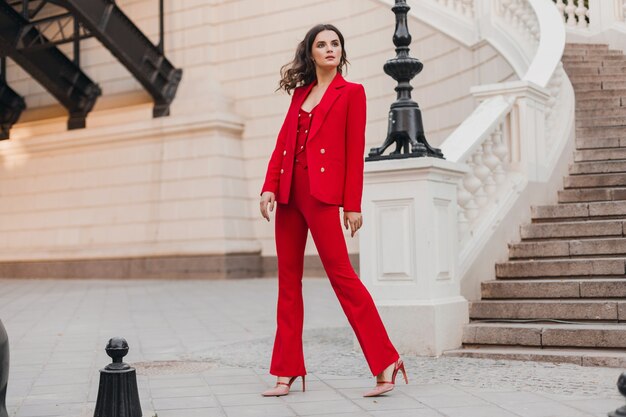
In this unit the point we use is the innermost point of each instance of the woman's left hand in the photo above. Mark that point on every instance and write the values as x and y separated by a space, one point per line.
352 219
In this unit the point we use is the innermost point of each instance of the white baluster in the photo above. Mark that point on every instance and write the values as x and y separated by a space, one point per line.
481 172
581 12
471 184
468 6
501 151
561 8
570 9
463 198
491 162
623 10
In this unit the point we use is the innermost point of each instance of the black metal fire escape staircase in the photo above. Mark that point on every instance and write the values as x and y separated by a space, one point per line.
11 106
49 66
22 39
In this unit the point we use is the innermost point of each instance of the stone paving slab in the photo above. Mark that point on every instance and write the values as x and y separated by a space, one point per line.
202 348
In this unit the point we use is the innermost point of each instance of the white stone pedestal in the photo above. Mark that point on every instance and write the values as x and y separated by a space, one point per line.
409 252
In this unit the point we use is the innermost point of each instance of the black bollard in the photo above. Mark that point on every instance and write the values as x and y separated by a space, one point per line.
117 394
4 369
621 386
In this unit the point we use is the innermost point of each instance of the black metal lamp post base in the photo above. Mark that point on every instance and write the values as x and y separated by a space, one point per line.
4 369
406 132
405 128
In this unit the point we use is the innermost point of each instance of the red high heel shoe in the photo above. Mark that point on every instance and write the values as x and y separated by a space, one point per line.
282 388
386 386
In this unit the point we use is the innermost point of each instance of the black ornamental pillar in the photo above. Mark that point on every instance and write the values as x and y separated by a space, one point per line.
405 128
118 395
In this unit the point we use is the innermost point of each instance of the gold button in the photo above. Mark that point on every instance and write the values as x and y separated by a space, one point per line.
282 170
310 115
306 131
299 115
322 150
284 153
322 169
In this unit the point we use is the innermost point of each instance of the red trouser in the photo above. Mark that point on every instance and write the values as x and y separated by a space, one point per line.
293 220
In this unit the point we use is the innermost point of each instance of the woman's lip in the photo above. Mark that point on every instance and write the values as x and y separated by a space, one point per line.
330 57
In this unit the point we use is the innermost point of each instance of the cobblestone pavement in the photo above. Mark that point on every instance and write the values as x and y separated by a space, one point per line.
202 348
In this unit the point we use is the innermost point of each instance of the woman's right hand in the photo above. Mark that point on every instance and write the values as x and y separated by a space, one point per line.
267 198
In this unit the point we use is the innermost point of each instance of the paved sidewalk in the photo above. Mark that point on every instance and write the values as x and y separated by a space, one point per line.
201 348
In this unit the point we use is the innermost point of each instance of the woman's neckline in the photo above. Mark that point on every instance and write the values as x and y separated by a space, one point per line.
310 111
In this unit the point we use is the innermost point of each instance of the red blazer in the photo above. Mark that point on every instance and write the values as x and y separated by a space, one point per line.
335 146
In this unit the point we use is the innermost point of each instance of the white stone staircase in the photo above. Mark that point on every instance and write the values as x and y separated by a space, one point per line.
561 296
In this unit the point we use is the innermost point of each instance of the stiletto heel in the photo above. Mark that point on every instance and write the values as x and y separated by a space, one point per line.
386 386
282 388
401 367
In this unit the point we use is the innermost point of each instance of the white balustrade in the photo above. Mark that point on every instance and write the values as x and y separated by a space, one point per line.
486 181
581 14
517 126
463 7
593 16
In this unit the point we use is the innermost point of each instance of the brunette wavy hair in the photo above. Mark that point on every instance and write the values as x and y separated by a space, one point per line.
301 70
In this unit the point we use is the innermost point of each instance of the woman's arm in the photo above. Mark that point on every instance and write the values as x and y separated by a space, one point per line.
355 146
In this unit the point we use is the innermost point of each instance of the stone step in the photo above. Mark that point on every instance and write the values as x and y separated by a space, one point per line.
579 168
568 248
616 111
606 154
606 336
600 143
598 103
595 180
588 87
597 228
596 59
591 194
582 357
601 121
603 133
584 310
578 211
576 267
612 70
587 83
567 53
586 70
573 46
553 289
576 79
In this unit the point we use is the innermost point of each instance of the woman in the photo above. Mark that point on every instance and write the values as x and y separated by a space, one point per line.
316 167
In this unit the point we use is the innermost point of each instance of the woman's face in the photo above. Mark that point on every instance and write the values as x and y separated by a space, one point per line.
326 50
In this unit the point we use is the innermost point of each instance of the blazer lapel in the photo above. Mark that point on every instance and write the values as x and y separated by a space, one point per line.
334 90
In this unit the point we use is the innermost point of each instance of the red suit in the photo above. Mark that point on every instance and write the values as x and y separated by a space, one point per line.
316 167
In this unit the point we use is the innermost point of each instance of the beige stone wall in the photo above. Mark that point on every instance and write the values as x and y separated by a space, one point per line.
132 185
